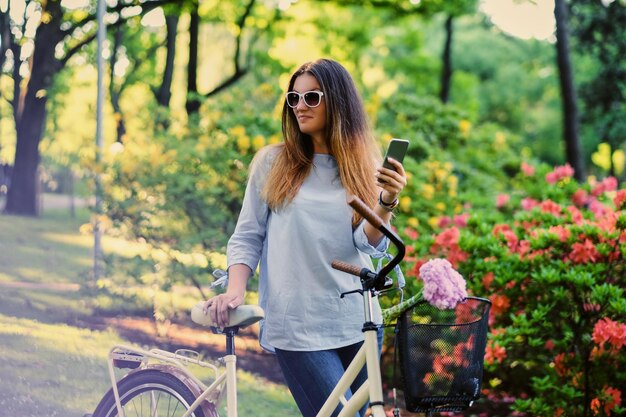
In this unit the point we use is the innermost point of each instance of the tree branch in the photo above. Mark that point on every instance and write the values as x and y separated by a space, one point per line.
239 72
146 7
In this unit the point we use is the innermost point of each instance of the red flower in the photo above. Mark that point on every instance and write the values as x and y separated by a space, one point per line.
579 198
560 363
610 398
414 272
411 233
448 237
500 303
494 353
487 280
549 206
508 234
619 199
611 332
584 252
577 216
595 406
561 232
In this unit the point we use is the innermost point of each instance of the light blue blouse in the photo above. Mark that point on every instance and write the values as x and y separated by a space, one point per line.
298 289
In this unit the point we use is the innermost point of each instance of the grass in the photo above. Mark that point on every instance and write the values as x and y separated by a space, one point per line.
47 366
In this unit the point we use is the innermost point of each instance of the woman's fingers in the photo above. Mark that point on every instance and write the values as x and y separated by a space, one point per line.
218 308
393 181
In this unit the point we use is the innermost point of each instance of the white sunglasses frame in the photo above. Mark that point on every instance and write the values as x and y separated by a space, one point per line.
301 98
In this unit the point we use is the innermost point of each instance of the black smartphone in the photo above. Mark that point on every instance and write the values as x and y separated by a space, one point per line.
396 150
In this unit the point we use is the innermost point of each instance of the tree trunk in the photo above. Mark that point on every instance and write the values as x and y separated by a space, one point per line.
31 114
568 92
446 70
164 94
193 102
115 93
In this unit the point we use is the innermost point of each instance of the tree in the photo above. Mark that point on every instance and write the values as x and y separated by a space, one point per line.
58 29
451 8
600 31
573 152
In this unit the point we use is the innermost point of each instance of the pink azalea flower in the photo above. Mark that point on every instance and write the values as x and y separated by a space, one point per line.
597 208
607 184
528 203
549 206
444 221
460 220
444 287
559 173
527 169
502 199
584 252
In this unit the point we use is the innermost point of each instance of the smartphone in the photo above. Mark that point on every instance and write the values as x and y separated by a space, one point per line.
396 150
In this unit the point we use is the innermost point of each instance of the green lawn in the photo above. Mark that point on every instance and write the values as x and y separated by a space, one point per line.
48 368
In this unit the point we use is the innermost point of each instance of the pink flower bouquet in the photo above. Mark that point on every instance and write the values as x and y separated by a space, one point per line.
443 288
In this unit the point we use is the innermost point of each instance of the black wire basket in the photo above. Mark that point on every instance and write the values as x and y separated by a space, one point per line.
441 354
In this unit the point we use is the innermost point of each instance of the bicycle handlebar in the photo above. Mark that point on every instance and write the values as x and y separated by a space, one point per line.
368 214
377 280
346 267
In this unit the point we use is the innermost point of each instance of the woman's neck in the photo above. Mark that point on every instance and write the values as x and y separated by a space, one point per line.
319 145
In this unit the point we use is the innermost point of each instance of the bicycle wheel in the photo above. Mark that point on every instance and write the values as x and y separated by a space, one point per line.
150 393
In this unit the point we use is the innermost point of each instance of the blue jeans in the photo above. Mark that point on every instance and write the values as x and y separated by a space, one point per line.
311 376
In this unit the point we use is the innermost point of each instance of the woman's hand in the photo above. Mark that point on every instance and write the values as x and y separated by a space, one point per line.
218 307
392 182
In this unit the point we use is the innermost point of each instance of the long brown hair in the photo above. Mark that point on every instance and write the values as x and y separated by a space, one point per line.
348 137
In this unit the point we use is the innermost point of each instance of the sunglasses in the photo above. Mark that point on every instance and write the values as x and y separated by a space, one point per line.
311 98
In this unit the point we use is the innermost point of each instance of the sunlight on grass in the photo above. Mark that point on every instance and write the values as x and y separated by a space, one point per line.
59 370
263 398
70 239
43 249
52 370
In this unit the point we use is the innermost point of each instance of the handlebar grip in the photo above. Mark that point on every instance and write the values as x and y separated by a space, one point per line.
346 267
367 213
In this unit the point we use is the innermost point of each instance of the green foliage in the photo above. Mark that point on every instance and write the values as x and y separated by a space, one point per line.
552 263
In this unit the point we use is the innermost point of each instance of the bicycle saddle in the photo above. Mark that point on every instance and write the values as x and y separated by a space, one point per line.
241 317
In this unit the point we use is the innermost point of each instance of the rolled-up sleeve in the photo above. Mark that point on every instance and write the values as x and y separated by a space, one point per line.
246 244
361 242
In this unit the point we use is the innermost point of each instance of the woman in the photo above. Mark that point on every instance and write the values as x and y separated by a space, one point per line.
295 221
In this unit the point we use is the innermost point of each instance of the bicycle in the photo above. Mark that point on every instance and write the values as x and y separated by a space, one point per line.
160 383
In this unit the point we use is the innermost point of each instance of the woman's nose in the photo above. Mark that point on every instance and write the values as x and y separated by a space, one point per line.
301 105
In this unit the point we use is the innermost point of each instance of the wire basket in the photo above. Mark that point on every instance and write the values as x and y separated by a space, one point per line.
441 354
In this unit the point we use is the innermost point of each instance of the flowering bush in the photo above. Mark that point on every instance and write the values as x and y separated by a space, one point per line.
550 255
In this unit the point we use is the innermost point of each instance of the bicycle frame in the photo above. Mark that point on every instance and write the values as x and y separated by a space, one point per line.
177 364
368 356
372 387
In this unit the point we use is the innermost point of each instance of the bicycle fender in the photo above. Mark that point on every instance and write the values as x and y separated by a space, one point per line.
207 407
